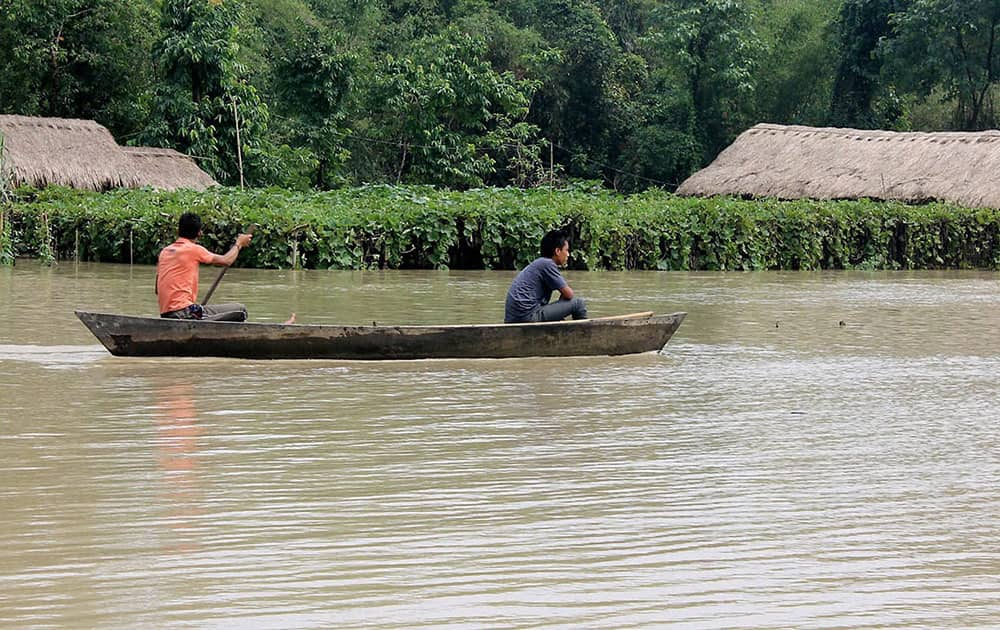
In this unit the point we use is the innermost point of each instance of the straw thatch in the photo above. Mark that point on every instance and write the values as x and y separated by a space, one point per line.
823 163
68 152
167 169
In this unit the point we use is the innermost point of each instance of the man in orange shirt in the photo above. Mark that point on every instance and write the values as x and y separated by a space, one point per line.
177 275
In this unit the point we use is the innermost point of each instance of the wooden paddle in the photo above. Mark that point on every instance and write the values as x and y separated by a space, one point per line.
218 279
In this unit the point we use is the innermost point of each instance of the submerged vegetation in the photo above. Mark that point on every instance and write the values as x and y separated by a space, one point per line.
392 227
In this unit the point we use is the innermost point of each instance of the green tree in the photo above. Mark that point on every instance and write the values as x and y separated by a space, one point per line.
77 59
663 148
204 100
712 48
861 96
589 93
441 114
313 81
306 76
794 77
628 20
954 47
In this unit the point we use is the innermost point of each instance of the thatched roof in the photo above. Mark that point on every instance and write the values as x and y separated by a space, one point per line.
824 163
167 169
69 152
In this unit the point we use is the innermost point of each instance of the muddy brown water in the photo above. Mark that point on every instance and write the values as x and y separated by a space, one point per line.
810 450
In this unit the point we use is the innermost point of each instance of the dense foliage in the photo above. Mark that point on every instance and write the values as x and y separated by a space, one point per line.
421 227
470 93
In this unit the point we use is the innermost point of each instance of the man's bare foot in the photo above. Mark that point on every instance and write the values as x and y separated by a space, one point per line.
290 320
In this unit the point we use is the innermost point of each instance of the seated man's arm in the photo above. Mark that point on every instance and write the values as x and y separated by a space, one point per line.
229 257
566 293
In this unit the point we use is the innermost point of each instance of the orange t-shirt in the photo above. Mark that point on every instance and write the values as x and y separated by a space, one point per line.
177 274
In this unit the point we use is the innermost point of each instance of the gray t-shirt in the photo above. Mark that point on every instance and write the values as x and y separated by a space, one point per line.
531 290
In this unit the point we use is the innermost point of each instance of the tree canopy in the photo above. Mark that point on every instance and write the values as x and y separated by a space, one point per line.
466 93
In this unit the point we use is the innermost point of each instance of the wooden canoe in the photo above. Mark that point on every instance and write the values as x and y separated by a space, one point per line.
130 336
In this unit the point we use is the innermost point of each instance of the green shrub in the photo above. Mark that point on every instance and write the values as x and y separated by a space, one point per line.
420 227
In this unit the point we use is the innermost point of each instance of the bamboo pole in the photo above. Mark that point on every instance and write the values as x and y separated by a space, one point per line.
239 144
552 171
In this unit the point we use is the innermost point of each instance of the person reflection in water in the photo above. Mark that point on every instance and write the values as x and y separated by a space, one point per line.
529 294
177 436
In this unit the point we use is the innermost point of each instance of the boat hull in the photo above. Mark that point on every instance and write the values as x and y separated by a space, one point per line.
125 335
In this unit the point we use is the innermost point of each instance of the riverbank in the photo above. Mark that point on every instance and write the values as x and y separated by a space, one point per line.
423 227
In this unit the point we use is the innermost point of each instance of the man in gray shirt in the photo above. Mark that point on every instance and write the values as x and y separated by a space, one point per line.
528 296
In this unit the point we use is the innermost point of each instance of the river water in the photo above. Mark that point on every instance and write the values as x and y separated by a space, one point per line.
810 450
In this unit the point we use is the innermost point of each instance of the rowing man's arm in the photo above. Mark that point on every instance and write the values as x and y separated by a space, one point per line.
229 257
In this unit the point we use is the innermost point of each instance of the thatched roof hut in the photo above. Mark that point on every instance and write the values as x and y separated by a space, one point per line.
69 152
824 163
167 169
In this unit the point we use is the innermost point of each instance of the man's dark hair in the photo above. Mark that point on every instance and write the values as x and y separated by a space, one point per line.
552 241
189 226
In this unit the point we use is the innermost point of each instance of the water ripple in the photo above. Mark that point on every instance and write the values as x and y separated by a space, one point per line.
805 475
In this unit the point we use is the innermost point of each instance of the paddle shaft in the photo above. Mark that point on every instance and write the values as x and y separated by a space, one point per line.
211 289
218 278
